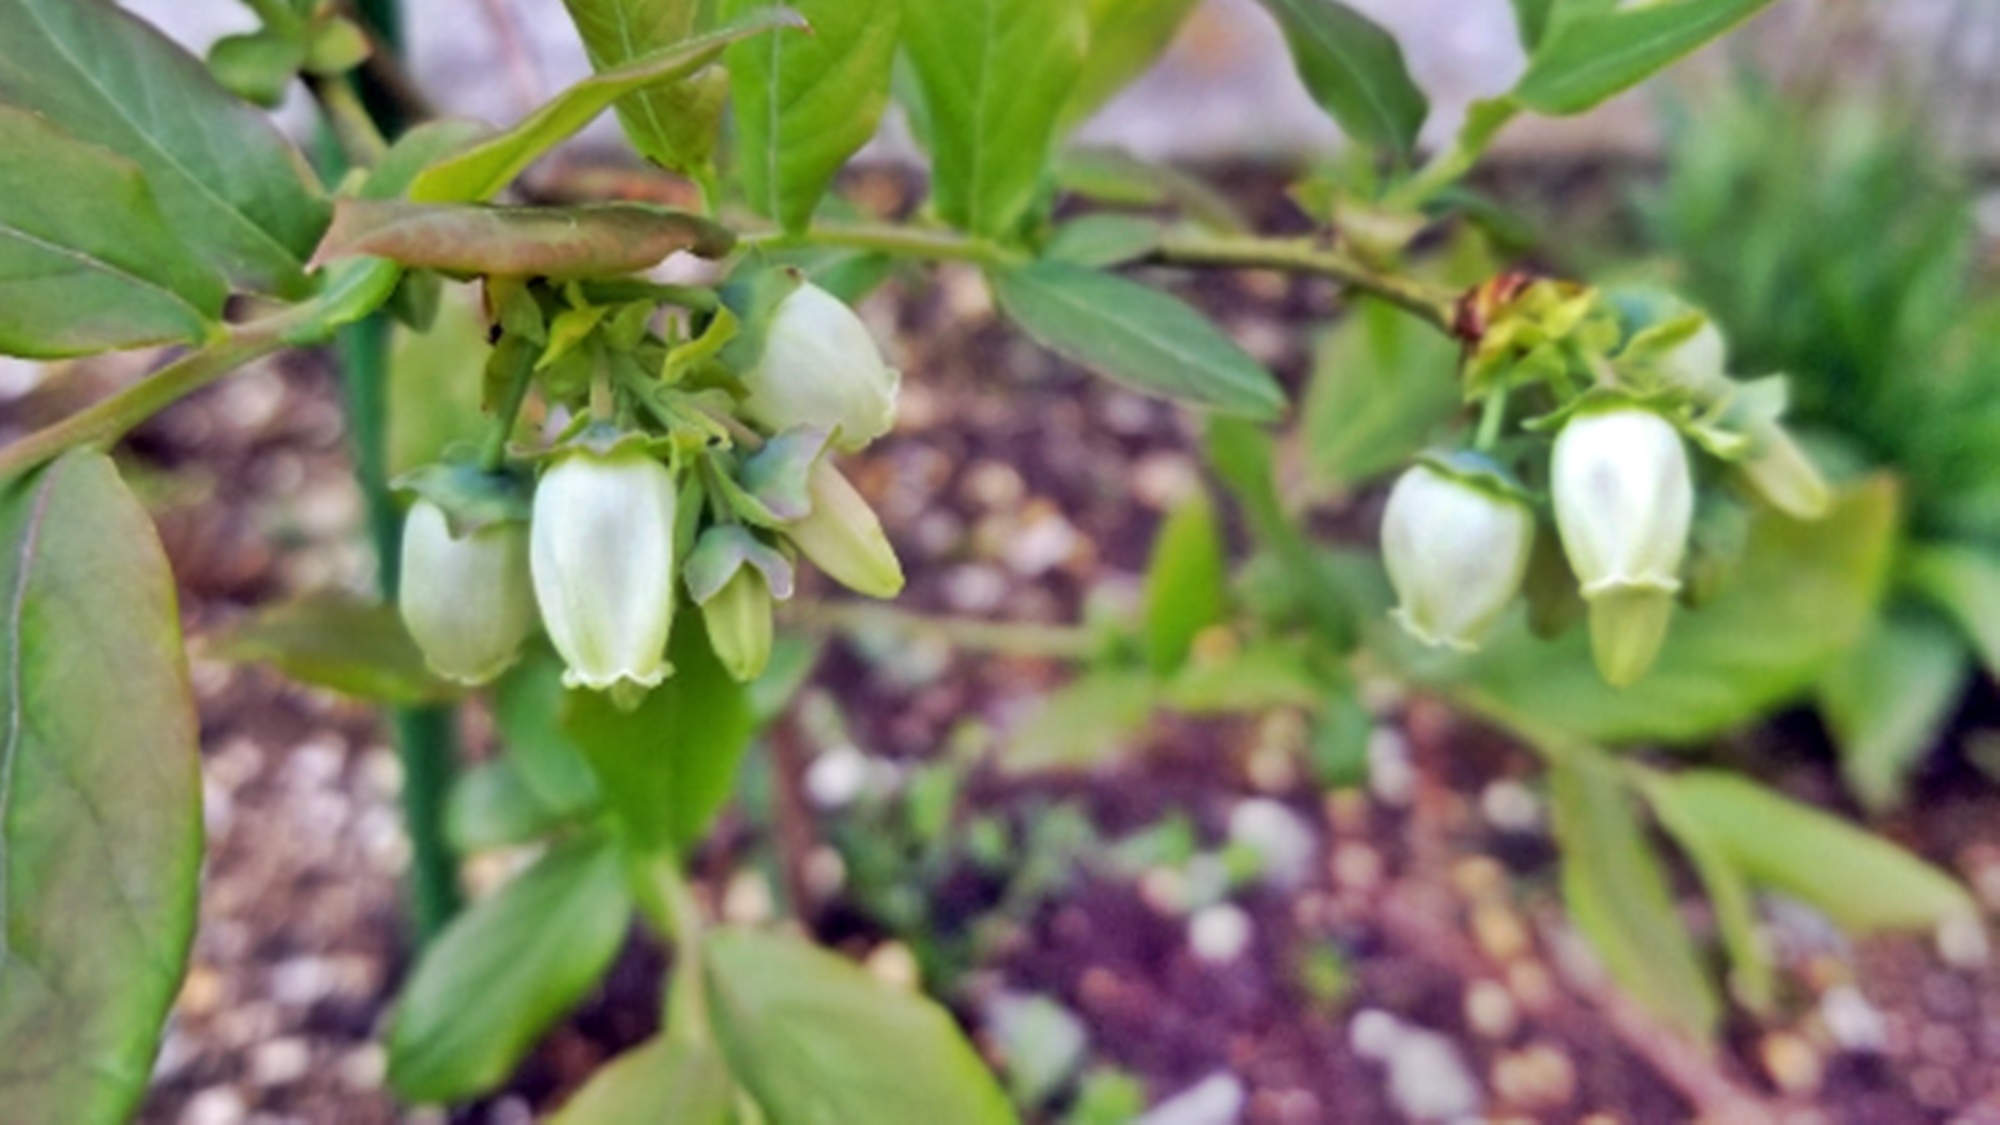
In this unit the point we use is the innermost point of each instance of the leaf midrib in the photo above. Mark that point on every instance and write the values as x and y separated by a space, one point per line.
10 749
227 206
100 265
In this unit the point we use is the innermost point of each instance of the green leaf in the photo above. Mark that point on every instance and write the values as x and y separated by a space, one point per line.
1304 588
1087 722
995 75
493 806
1259 678
528 708
1185 583
805 103
588 240
355 648
667 766
1588 58
661 1080
1535 18
503 971
1138 336
429 143
1862 882
1104 240
1887 701
1355 71
1116 177
480 171
1618 896
87 262
226 179
1126 38
434 383
1803 594
672 123
1752 978
1964 582
817 1041
1383 385
100 796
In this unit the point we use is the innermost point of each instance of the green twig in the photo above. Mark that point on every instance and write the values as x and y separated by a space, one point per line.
669 904
1433 304
1049 642
902 242
361 142
105 422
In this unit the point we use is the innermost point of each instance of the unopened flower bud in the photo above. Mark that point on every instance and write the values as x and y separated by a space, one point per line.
466 599
843 538
820 367
1624 502
1782 473
603 564
1456 551
738 618
1699 364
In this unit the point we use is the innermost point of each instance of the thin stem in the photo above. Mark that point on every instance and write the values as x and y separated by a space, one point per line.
361 142
1450 164
902 242
493 454
103 423
669 904
1492 416
1433 304
1049 642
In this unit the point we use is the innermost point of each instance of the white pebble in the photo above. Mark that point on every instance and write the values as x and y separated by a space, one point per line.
1282 839
1219 934
837 777
1391 776
1853 1022
1215 1100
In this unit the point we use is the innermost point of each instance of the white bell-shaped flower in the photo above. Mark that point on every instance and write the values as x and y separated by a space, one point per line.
1624 500
820 367
603 564
466 599
1457 551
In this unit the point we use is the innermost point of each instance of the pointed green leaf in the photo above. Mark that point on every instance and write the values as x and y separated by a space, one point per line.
661 1080
352 647
227 180
588 240
480 171
1588 58
1184 583
995 75
528 707
100 796
1126 38
805 103
1354 70
1752 978
667 766
87 262
492 806
1862 882
1085 723
1102 241
673 123
818 1041
1887 701
1618 895
503 971
1964 582
1138 336
1383 385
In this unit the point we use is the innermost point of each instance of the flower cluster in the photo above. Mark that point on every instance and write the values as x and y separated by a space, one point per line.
696 469
1628 386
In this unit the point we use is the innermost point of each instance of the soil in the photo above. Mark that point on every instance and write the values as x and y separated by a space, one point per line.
1016 487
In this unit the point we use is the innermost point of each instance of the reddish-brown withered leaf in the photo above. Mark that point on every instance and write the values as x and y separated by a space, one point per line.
591 240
